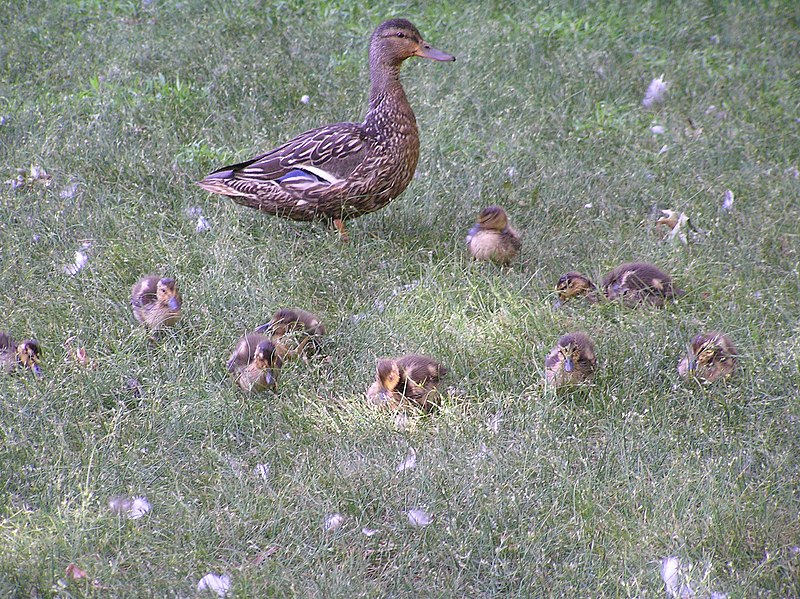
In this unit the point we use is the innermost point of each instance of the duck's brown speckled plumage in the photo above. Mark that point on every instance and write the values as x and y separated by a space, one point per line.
343 170
571 361
408 381
711 357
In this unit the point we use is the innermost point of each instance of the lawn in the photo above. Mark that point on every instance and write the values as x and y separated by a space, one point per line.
126 104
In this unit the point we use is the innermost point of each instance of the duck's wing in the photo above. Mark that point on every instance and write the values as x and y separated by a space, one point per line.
322 156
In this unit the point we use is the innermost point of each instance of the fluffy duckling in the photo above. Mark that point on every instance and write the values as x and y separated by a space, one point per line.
634 282
26 354
711 357
307 326
255 362
571 361
411 379
575 284
492 238
156 302
639 283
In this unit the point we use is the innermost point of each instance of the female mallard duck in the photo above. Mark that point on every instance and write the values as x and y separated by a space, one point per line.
408 380
571 361
307 327
344 170
711 357
26 354
492 238
156 302
255 362
634 282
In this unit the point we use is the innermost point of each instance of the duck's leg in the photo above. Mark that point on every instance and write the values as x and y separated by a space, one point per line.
339 224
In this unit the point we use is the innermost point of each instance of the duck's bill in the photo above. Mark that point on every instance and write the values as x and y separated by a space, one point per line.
37 370
173 304
428 51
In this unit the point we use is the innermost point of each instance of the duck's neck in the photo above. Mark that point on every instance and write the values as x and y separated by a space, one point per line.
387 92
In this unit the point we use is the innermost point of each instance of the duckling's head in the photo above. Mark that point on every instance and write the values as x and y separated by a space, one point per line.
167 294
266 358
388 373
709 349
397 39
577 352
573 284
493 217
29 353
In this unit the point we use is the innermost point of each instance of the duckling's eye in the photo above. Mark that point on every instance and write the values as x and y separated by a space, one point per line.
400 34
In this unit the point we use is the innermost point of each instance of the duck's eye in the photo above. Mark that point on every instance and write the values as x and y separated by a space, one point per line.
400 34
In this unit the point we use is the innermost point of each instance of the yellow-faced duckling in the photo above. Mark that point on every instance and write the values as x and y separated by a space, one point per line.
307 328
255 363
639 283
156 302
27 354
711 357
341 171
492 238
410 380
571 361
575 284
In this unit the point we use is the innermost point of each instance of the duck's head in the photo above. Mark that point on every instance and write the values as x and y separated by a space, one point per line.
29 353
397 39
387 374
573 284
708 350
577 353
493 217
266 358
167 294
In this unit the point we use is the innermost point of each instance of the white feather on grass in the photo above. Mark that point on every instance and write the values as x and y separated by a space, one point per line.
216 583
656 92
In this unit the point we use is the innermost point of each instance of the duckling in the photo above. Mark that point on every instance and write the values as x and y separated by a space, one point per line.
575 284
711 357
255 362
408 380
639 283
26 354
571 361
492 238
295 320
156 302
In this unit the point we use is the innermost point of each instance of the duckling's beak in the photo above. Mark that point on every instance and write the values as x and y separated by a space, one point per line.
558 303
268 378
693 364
37 370
173 304
425 50
569 365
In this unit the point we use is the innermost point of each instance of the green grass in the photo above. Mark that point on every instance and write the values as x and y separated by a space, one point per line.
532 495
